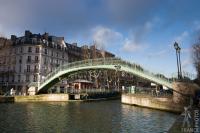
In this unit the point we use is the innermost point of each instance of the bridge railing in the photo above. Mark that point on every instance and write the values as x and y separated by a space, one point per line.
90 62
90 91
105 61
146 91
140 69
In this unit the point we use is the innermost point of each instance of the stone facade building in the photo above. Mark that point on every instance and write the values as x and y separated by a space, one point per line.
28 59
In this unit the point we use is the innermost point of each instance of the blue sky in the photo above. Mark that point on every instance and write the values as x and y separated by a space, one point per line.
141 31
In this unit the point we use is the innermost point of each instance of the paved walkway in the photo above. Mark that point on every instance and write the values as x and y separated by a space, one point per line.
187 122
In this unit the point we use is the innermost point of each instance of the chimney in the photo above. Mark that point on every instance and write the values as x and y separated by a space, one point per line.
46 35
27 33
13 37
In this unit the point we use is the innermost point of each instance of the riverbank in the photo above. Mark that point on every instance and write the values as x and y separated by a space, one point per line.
60 97
160 103
187 122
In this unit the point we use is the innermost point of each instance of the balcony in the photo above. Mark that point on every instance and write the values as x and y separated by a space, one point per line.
7 72
36 61
32 61
31 71
54 64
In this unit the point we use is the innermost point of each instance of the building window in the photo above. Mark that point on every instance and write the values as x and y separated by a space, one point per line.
57 63
37 50
45 61
21 49
36 59
35 78
28 68
19 78
45 51
52 53
29 49
27 78
16 50
13 78
52 61
29 59
20 60
36 69
63 55
20 68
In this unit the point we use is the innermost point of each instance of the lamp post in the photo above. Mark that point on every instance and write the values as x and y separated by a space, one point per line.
178 49
180 73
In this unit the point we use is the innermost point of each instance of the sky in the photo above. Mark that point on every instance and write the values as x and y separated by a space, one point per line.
140 31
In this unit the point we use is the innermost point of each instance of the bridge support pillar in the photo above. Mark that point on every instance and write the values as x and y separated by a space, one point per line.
183 91
58 89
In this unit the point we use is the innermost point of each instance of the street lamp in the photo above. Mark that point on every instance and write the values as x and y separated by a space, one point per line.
178 49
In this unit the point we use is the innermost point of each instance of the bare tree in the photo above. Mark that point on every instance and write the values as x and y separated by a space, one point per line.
95 75
196 59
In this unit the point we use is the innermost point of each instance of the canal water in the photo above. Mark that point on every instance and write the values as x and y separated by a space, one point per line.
82 117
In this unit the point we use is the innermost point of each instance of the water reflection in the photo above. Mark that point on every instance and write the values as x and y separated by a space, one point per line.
84 117
136 119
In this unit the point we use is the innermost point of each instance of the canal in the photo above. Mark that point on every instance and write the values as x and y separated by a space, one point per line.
82 117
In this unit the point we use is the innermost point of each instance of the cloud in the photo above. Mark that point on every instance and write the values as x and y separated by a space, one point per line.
65 16
129 12
103 36
196 31
131 46
136 39
72 17
158 54
106 37
182 37
196 24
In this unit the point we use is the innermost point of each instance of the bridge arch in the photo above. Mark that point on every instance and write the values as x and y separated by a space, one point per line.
100 63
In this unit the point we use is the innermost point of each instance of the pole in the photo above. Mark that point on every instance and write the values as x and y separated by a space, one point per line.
180 73
177 63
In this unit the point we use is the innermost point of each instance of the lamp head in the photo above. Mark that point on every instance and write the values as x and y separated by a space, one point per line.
176 46
178 49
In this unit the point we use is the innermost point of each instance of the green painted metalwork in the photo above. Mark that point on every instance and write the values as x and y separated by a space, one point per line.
103 63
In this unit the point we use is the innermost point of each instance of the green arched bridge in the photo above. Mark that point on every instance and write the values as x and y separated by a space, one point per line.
100 63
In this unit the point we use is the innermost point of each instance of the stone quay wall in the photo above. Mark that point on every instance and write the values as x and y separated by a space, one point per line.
9 99
183 91
165 104
43 97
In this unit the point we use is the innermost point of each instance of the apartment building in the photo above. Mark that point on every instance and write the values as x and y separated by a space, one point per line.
29 58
